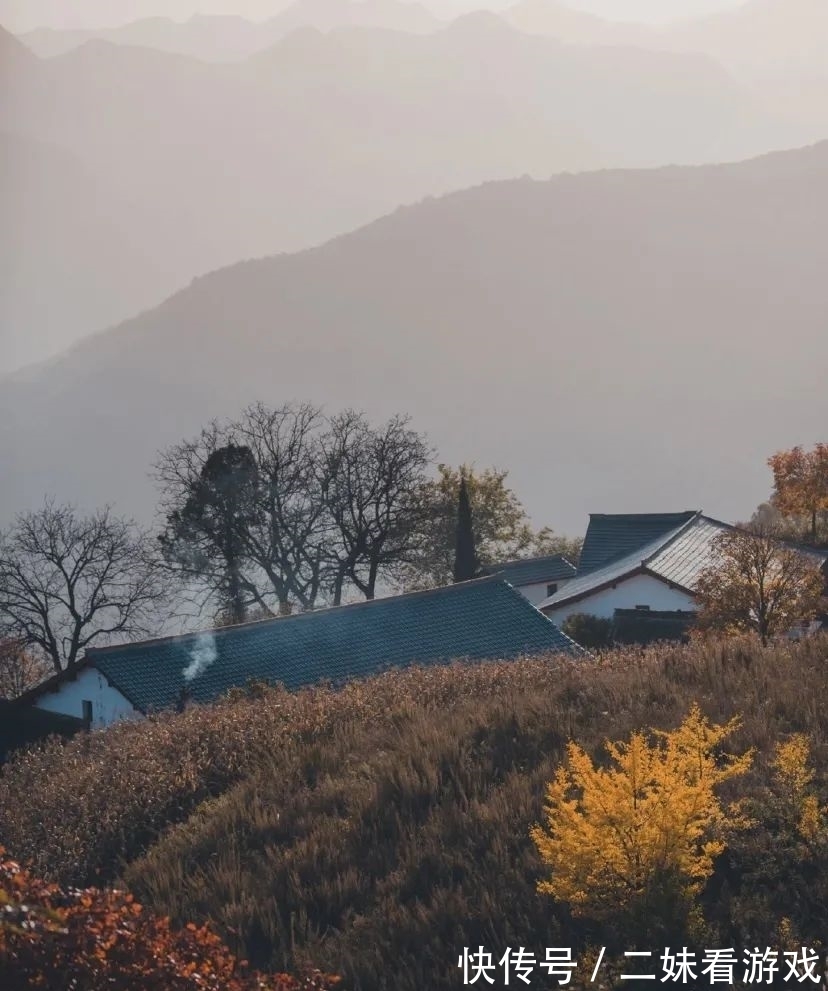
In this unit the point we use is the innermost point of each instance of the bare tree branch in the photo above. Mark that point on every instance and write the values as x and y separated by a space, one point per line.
67 581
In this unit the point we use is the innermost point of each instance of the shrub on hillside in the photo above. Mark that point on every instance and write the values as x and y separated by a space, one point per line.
592 632
636 841
778 869
105 941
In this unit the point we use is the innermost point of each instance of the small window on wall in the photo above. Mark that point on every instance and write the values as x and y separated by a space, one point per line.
552 589
87 712
643 608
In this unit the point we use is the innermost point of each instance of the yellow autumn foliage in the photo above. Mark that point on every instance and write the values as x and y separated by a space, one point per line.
610 832
793 777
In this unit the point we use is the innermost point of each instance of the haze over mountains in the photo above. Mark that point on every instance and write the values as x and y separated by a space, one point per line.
776 48
26 15
73 244
200 165
623 340
230 37
629 337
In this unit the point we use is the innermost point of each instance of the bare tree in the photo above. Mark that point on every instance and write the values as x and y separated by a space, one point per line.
287 542
373 481
336 503
278 540
68 581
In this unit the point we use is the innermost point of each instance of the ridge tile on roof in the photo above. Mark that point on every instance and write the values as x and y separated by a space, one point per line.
611 536
533 570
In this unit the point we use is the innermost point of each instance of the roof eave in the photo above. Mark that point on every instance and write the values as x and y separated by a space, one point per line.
640 569
669 582
609 583
57 681
53 683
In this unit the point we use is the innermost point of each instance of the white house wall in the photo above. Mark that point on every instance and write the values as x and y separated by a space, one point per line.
537 593
638 590
108 705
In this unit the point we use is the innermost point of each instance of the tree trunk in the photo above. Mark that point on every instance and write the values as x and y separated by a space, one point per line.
234 590
372 579
339 582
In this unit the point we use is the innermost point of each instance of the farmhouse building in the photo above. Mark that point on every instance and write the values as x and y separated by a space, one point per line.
639 570
476 620
536 578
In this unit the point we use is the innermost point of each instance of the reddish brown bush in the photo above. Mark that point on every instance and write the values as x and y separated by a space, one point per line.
93 939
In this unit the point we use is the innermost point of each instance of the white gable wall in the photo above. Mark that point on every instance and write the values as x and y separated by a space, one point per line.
638 590
108 705
538 592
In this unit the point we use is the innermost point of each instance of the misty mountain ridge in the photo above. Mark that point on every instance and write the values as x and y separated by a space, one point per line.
323 132
774 47
107 14
230 37
618 310
60 255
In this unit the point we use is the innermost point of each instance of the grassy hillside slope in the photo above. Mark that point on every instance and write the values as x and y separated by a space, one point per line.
378 830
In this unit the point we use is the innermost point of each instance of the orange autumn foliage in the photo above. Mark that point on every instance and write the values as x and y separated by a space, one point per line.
93 939
800 480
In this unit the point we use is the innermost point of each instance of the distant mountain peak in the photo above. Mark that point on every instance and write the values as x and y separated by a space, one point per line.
480 24
13 48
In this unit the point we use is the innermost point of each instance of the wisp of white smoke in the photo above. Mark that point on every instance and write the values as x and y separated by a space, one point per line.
202 656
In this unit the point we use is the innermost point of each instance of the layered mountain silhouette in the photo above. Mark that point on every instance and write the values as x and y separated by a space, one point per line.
325 131
96 14
620 340
15 57
777 48
75 248
230 37
755 33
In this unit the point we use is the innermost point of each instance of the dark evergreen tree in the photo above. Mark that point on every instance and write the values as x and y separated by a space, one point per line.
208 534
465 557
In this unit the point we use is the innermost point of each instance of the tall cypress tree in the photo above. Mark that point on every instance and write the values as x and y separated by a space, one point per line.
465 558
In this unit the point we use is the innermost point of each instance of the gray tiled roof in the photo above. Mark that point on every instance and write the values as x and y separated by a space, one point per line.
481 619
610 537
534 570
682 559
677 557
609 573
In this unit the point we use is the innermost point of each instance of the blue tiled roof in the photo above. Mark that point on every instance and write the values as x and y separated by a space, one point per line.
610 537
476 620
534 570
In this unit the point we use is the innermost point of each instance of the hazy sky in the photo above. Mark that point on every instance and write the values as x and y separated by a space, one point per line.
23 15
651 10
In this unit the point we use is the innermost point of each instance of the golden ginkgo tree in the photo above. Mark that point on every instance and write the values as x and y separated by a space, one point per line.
613 834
